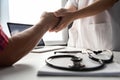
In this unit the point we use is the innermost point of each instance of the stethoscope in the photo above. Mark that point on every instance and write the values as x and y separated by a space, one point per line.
77 64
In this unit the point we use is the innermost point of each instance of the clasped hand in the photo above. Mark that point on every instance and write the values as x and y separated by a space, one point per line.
57 20
65 17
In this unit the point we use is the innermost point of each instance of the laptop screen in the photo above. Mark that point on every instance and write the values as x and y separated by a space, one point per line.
18 27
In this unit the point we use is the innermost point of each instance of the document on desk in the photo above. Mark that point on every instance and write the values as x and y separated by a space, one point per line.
112 69
47 49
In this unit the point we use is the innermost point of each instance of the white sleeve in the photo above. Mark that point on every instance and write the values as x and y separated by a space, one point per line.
73 2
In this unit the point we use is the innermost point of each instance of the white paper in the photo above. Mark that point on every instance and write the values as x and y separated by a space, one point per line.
112 69
47 49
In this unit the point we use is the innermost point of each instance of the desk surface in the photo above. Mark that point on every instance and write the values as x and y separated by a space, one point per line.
27 68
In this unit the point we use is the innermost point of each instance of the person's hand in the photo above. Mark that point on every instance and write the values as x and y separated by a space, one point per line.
66 18
48 20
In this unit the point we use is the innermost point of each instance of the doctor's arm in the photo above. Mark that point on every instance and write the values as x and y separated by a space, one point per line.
69 16
22 43
97 7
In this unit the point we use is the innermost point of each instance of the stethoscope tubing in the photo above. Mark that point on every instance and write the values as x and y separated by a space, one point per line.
102 65
100 61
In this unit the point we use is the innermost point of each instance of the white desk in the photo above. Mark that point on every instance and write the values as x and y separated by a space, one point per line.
27 68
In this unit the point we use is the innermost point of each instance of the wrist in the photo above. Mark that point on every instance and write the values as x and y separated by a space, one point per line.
73 16
41 27
76 15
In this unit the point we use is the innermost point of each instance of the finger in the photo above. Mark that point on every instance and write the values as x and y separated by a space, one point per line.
60 26
60 13
57 14
44 13
59 29
53 28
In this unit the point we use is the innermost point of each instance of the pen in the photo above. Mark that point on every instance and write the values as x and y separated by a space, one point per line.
67 52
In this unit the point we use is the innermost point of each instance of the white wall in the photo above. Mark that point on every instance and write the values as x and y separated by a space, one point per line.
4 15
0 11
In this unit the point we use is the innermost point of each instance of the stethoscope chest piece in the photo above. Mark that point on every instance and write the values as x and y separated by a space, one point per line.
77 63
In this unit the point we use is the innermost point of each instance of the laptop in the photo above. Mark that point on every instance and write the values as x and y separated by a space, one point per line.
18 27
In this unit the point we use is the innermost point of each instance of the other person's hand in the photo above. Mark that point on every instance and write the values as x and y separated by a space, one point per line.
66 18
48 20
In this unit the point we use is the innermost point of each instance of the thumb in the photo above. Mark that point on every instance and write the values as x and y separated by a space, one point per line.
58 14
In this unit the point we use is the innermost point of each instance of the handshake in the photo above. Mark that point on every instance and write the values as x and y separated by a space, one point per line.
56 21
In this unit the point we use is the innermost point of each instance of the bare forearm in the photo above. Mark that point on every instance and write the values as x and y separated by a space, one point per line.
22 43
95 8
